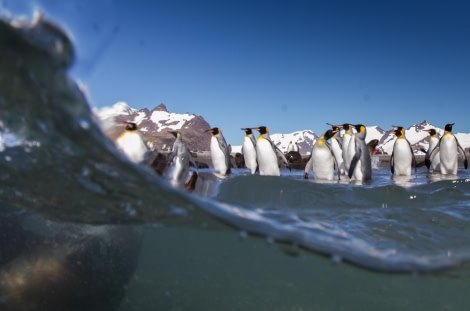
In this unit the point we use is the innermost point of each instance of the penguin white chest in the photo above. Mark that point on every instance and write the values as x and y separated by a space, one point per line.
181 169
435 160
133 146
267 159
322 162
350 151
402 158
338 154
218 157
249 154
448 155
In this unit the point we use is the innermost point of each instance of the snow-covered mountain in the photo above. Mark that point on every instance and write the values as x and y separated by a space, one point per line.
304 139
156 125
158 122
416 134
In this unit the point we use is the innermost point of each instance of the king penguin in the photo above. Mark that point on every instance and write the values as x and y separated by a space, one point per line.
249 150
220 152
449 150
345 144
434 163
322 160
181 158
132 143
267 153
402 158
336 147
361 165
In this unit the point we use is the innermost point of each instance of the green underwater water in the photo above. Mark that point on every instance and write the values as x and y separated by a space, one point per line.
186 269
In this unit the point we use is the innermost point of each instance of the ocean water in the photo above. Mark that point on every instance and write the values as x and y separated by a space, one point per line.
243 243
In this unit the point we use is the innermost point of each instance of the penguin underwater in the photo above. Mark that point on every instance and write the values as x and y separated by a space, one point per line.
449 149
220 152
267 153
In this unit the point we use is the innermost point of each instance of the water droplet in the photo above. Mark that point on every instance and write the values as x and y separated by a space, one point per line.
85 171
84 124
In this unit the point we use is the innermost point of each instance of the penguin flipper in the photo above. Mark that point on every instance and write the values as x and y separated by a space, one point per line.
280 154
462 152
392 164
413 158
427 159
170 158
354 162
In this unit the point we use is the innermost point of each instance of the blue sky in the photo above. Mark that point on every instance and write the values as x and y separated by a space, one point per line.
289 65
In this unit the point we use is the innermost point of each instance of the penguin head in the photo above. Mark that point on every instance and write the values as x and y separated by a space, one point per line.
262 130
214 131
247 130
335 127
346 126
176 134
131 126
448 127
328 134
360 128
399 131
432 132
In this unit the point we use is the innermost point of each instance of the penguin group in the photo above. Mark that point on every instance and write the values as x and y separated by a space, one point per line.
444 154
340 153
260 155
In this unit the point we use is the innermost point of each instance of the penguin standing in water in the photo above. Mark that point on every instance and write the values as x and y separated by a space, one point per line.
449 150
402 158
345 144
322 159
336 147
181 158
361 165
220 152
132 143
434 165
267 153
249 150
